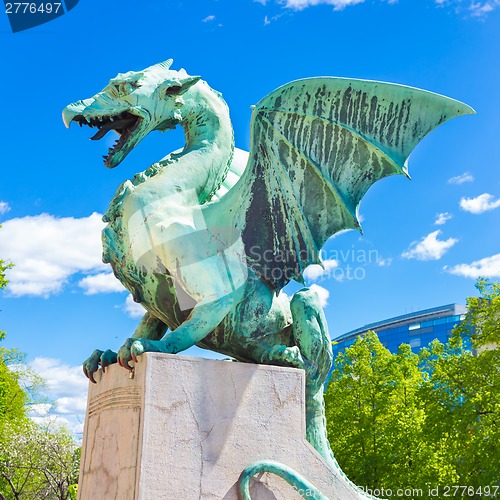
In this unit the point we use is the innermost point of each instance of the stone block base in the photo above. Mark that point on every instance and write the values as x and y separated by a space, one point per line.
185 428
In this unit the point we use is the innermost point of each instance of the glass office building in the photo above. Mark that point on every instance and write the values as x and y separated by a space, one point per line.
416 328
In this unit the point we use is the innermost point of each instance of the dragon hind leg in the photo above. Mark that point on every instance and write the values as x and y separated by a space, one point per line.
310 347
313 353
311 336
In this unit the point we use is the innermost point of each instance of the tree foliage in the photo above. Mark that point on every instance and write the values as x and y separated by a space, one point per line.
462 395
12 397
482 320
36 461
3 267
3 283
421 420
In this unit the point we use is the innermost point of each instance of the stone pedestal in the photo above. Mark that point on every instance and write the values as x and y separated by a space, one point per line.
185 428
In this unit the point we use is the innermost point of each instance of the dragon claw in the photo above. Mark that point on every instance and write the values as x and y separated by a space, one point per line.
98 358
283 355
108 357
136 349
129 352
91 365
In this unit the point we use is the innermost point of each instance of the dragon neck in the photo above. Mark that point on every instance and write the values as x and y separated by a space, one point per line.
205 160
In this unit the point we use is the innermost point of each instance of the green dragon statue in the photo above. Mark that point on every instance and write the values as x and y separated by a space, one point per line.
205 241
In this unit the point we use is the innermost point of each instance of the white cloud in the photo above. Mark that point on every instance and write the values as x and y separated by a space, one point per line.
55 421
266 21
384 262
429 247
323 294
70 405
461 179
4 207
133 309
208 19
479 9
479 204
48 250
314 272
40 410
61 379
101 283
489 267
442 218
473 8
337 4
66 387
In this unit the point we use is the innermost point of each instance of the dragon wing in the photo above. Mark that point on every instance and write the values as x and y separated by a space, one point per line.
317 145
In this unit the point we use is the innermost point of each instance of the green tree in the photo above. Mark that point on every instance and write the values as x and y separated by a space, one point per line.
3 267
355 399
375 418
12 397
462 391
17 388
421 421
3 280
37 461
482 321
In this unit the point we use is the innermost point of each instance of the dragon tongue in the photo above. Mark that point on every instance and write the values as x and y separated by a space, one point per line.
100 133
116 125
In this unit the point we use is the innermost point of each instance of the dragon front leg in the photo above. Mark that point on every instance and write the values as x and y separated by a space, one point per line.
204 318
148 328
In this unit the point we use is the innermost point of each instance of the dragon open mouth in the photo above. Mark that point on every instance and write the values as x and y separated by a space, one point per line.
124 124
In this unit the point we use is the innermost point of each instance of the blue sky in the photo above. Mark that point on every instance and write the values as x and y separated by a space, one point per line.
424 240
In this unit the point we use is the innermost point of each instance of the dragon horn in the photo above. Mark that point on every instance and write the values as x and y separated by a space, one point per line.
166 64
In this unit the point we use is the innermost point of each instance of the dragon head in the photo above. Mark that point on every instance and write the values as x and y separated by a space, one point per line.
133 104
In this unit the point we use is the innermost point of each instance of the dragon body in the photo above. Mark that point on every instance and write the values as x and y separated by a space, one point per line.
205 240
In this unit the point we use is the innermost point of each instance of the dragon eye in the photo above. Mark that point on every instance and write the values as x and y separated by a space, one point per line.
129 87
121 89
